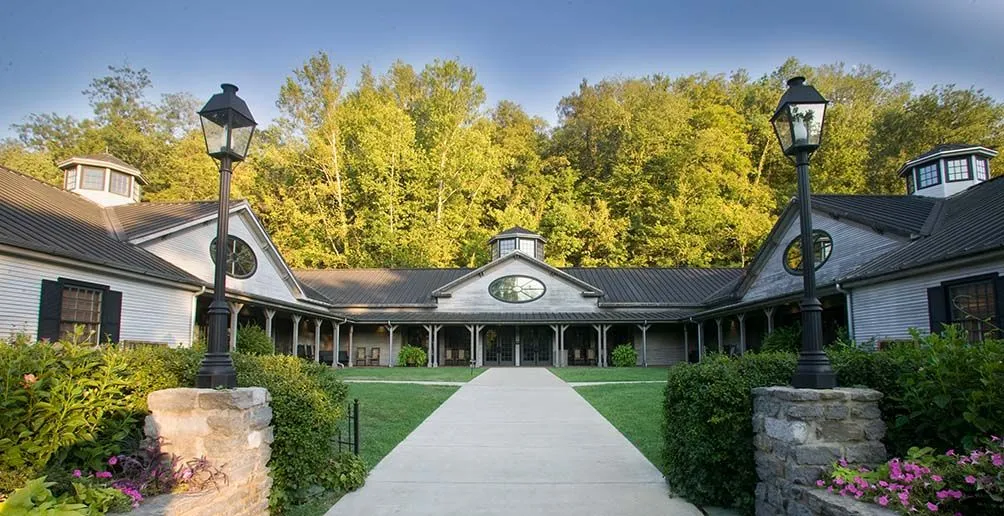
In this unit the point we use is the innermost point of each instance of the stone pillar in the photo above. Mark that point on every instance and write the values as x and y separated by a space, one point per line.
798 433
230 428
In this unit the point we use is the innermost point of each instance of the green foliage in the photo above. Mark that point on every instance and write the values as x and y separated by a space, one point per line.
253 340
786 339
307 403
708 431
348 472
625 356
35 499
412 356
100 499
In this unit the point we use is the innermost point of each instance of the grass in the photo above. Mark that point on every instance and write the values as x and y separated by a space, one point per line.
609 374
434 374
636 410
387 414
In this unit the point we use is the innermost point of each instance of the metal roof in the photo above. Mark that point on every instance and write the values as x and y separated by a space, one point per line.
903 214
145 218
103 158
946 149
680 286
40 217
431 316
517 231
378 287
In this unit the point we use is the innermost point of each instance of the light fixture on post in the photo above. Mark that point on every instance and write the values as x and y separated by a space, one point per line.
798 122
227 125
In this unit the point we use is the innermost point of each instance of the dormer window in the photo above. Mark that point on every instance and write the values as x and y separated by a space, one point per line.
71 179
120 183
982 169
958 169
911 184
928 175
94 179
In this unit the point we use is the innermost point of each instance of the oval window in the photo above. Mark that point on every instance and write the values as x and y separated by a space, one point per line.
822 244
516 289
241 260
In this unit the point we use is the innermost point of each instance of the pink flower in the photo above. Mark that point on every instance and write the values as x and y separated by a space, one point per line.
942 495
113 460
842 462
970 479
994 438
936 478
103 474
76 473
883 500
904 496
932 507
820 483
997 460
839 481
950 453
29 380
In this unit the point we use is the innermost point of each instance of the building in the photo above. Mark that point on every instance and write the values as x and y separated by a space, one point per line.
91 254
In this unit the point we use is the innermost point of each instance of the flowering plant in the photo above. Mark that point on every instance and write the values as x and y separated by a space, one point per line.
955 483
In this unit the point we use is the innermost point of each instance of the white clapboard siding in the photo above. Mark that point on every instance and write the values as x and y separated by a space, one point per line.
887 311
853 246
150 312
561 295
189 250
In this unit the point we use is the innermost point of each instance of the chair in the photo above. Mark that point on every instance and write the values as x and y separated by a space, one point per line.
374 356
577 356
590 356
360 357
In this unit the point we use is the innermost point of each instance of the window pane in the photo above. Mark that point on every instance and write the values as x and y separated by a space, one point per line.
981 169
973 306
526 246
928 175
507 246
81 307
120 183
910 188
94 178
958 169
71 179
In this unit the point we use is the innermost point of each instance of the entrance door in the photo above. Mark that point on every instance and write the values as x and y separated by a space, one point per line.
535 345
500 345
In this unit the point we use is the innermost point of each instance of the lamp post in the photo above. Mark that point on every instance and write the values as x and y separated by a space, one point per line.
798 122
227 125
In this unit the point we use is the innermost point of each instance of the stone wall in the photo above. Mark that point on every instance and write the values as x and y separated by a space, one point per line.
231 429
799 433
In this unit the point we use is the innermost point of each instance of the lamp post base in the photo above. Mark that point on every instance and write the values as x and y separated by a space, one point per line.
217 372
813 371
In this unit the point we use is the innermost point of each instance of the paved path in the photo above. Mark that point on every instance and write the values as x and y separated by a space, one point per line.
623 382
514 441
416 382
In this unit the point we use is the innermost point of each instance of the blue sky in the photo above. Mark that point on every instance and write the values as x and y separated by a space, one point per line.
532 52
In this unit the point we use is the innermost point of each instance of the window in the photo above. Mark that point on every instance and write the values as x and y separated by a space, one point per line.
981 169
958 169
911 185
94 179
81 307
71 179
526 246
516 289
973 305
822 244
539 249
927 175
506 246
241 260
120 183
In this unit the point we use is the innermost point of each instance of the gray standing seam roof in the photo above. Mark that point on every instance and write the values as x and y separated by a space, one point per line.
904 214
146 218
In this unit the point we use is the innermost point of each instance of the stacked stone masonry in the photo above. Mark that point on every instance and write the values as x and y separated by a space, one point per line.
799 433
231 429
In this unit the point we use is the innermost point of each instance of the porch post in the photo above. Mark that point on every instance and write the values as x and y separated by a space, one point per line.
644 343
606 327
235 310
770 319
428 328
435 341
390 343
742 333
700 341
479 345
720 339
562 354
317 339
269 314
470 328
554 345
516 353
352 350
296 332
686 344
336 341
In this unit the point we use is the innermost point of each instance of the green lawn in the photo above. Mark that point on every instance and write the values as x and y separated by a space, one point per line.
609 374
636 410
387 414
430 374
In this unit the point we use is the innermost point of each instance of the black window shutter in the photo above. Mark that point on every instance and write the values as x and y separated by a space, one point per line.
50 304
111 315
937 308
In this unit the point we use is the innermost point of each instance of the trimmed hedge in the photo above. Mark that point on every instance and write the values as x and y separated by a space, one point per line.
940 391
252 340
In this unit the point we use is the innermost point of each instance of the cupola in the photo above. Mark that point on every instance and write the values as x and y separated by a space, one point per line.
517 239
947 170
102 179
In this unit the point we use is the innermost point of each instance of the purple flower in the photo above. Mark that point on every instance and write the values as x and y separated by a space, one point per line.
883 500
113 460
820 483
843 462
970 479
997 460
932 507
936 478
950 453
76 473
103 474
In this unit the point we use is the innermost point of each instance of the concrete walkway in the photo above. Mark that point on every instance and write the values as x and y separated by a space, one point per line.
625 382
515 442
415 382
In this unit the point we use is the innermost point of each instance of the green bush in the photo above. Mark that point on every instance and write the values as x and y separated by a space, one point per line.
252 340
786 338
625 356
412 356
348 472
307 404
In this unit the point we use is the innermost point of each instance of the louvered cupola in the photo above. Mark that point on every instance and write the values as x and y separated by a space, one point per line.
947 170
102 179
517 239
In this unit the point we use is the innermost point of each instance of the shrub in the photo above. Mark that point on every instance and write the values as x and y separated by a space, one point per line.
708 426
785 338
348 472
412 356
625 356
307 403
252 340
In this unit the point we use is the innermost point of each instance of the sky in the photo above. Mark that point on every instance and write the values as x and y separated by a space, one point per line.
530 52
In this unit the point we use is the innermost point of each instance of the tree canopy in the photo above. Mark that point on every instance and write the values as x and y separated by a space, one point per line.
411 167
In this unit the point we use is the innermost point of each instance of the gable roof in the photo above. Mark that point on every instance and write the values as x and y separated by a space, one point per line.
378 287
43 218
145 218
587 289
655 286
517 231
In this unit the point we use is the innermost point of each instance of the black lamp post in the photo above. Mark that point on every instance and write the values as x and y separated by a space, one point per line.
798 123
227 125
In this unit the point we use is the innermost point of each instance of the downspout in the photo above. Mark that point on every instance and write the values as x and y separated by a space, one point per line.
850 312
195 309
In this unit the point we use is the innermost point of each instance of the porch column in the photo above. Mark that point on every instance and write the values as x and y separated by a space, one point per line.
352 350
428 328
516 353
720 339
317 340
554 345
686 344
390 343
700 341
742 333
435 343
644 343
479 345
769 312
296 332
336 341
470 328
562 354
235 309
269 314
606 327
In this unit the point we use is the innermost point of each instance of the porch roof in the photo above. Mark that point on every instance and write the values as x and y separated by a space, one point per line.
432 317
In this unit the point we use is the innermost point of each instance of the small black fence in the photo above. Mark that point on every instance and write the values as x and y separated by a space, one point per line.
349 437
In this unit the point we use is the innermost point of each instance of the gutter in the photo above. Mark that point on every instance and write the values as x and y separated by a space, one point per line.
849 307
